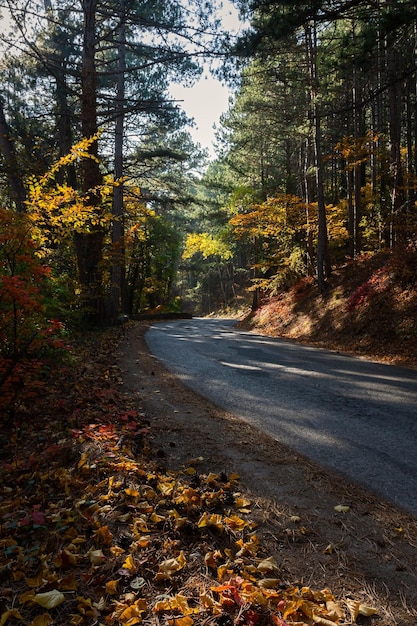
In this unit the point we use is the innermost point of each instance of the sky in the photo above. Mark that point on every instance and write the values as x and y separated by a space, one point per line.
204 102
207 99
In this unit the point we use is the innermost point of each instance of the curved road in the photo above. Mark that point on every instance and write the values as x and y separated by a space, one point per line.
353 416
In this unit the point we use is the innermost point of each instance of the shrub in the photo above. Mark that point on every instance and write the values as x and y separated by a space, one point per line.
25 331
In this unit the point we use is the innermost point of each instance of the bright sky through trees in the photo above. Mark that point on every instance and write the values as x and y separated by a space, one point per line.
208 98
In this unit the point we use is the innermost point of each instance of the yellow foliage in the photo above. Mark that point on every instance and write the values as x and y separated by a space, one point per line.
356 150
208 245
57 210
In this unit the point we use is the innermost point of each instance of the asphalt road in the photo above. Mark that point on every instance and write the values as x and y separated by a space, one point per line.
350 415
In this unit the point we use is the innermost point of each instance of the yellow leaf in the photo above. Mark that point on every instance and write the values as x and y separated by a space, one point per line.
129 563
132 492
180 603
83 460
211 520
166 486
10 613
222 570
49 599
210 603
161 605
132 614
242 502
235 523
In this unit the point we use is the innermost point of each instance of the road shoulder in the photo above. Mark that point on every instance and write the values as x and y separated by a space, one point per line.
366 550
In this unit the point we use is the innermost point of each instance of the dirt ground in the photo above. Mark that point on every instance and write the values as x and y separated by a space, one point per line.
367 552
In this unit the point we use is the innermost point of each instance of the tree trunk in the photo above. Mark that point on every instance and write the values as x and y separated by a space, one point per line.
323 259
17 189
397 177
90 245
355 245
118 267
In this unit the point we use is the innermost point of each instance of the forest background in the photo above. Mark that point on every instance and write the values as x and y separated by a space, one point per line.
110 209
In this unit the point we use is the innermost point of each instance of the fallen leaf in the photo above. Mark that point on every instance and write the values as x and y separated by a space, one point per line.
235 523
104 536
169 567
353 606
269 583
334 610
268 565
341 508
96 557
366 611
49 599
111 587
42 620
212 519
10 613
129 564
38 518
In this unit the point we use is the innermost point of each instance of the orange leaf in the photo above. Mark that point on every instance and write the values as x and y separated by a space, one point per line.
111 587
104 536
42 620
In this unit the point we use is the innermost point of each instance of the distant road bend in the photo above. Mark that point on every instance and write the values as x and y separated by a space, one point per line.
350 415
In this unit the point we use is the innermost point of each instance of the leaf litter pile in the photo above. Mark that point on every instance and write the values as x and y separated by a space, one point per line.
92 531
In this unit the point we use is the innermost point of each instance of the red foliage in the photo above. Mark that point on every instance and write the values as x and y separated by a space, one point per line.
25 331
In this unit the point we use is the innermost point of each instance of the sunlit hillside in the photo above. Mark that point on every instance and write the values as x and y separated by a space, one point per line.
369 309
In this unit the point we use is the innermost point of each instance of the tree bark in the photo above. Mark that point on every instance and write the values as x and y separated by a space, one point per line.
118 295
89 245
323 259
17 189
